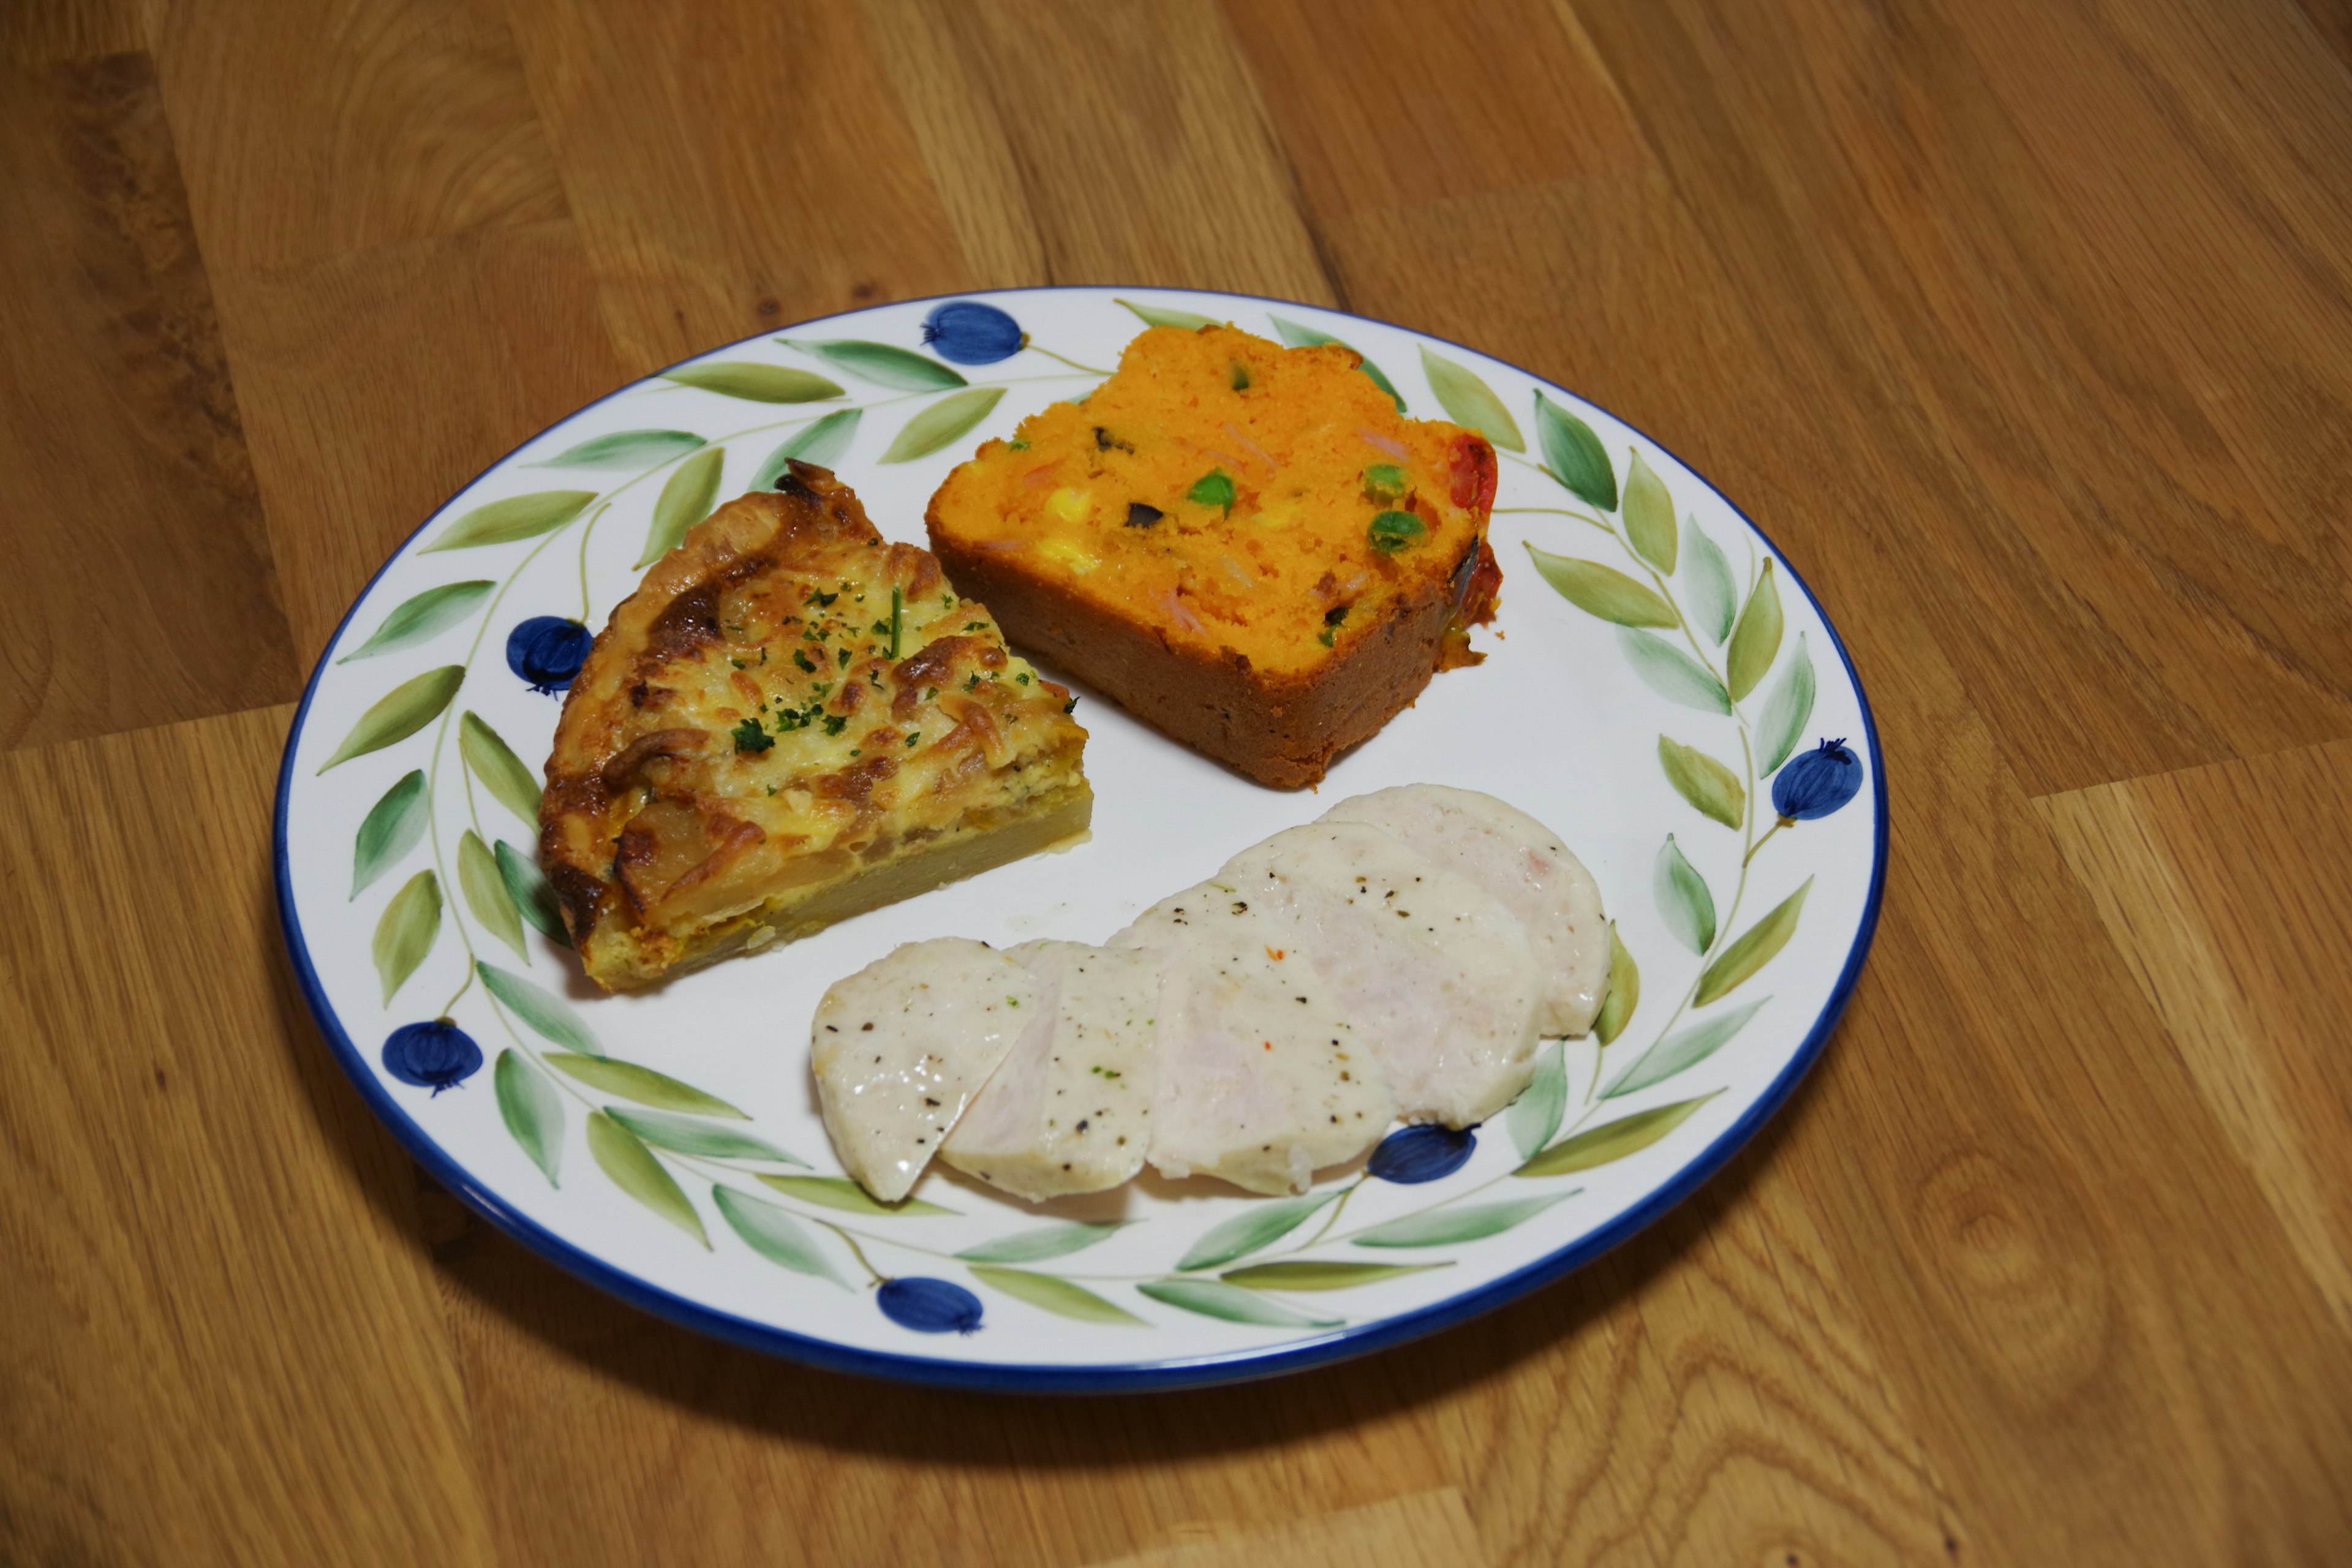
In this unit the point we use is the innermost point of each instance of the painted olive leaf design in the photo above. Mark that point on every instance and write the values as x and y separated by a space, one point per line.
532 1110
530 891
841 1193
547 1015
1708 582
1443 1227
1624 991
392 826
1166 316
770 1230
821 443
1212 1300
885 364
1056 1296
1574 455
690 1135
1711 788
1756 640
641 1084
1671 673
755 383
1681 1052
1604 591
1034 1245
494 762
622 1157
1534 1116
424 616
1300 336
1650 517
1470 402
404 932
949 418
511 520
1685 901
686 499
1259 1226
400 713
624 450
1612 1139
486 892
1308 1274
1785 713
1753 948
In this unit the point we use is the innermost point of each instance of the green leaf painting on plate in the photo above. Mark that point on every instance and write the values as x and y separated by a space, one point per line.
756 382
1706 578
400 713
1037 1246
1753 948
1650 517
622 1157
1470 402
1056 1296
1310 1274
1604 591
820 444
1611 1140
493 762
1756 640
1212 1300
1166 316
949 418
510 521
624 450
691 1135
532 1110
686 499
1785 713
425 616
547 1015
1300 336
1624 991
529 888
1683 899
1671 673
1534 1116
1574 455
486 892
1259 1226
642 1084
771 1231
392 826
841 1193
885 364
404 932
1444 1228
1681 1052
1709 786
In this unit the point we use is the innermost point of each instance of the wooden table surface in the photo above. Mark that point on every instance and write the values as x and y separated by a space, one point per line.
2022 325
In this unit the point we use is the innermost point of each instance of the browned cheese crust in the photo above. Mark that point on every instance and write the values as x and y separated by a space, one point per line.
746 755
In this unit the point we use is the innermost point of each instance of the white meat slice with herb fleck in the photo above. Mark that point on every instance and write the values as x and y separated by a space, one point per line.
1438 977
1526 867
901 1047
1069 1110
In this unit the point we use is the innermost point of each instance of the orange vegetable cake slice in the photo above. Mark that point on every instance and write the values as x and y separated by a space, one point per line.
789 722
1246 544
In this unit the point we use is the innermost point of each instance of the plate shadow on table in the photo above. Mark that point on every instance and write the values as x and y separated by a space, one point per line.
508 1303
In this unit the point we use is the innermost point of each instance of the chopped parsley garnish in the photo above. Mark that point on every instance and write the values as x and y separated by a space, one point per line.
1022 678
1333 619
914 737
844 658
972 684
1016 445
881 628
801 658
975 626
749 737
1141 516
1392 531
1385 482
1213 488
819 599
1241 376
835 724
736 662
897 617
1070 706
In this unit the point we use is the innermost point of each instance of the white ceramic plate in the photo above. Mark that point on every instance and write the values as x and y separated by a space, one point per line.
1661 750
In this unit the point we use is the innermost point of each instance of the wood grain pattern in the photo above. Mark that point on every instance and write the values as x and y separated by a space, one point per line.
2021 325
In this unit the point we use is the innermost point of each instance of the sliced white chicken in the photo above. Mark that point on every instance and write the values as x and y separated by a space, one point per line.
1263 1081
1523 865
1437 975
1069 1110
901 1047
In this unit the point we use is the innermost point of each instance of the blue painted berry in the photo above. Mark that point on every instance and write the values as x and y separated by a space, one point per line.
547 652
1421 1153
929 1306
435 1055
968 332
1816 782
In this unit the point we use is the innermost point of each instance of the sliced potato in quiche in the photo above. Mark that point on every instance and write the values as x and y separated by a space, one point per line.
789 722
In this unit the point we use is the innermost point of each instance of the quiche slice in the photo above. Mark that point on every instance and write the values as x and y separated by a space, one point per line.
789 722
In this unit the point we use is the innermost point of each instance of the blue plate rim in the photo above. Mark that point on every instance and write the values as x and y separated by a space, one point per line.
1191 1372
